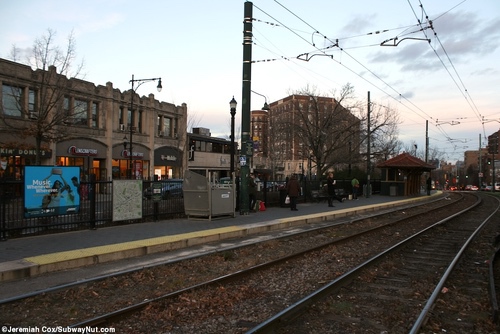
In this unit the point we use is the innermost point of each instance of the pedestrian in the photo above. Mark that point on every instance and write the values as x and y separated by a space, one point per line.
252 191
355 186
293 190
429 185
330 184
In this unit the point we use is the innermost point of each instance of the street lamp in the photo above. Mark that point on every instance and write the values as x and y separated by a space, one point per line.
266 106
232 105
130 153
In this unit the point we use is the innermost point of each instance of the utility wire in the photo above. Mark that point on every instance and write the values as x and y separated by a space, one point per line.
366 68
322 51
464 92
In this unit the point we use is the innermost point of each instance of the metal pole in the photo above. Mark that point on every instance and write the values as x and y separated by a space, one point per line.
233 113
495 148
480 163
245 109
368 163
140 82
427 141
130 154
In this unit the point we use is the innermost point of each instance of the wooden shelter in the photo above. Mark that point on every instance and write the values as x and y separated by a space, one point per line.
402 175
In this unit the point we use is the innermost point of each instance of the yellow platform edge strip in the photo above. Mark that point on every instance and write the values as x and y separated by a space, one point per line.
131 245
113 248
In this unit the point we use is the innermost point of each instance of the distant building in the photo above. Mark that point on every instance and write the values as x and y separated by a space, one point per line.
260 137
292 119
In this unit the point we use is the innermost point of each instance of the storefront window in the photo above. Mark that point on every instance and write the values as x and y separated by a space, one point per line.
11 167
119 169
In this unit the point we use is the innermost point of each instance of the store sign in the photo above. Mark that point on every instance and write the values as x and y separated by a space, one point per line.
168 157
126 154
9 152
73 150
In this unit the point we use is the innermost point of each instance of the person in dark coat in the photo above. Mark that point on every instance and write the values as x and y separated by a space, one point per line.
252 191
429 186
330 183
293 190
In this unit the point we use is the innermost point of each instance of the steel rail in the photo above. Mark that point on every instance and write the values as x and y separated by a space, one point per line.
109 317
218 250
299 307
432 299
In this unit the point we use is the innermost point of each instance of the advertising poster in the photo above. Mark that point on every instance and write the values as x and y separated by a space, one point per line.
50 191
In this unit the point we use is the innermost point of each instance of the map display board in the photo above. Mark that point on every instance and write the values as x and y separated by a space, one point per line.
127 199
51 191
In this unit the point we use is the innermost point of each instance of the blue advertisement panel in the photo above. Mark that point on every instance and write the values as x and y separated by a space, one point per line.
50 191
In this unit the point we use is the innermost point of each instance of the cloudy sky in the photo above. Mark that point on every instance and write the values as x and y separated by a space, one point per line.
434 61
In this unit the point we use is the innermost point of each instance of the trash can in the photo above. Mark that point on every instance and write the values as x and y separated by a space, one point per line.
393 190
205 199
367 190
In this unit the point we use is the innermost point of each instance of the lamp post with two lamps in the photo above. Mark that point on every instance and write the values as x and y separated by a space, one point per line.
130 152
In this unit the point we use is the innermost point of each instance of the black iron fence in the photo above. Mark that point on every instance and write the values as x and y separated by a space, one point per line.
96 209
273 193
96 205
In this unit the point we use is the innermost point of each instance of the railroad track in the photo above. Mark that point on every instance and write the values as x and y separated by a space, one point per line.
397 291
416 209
240 283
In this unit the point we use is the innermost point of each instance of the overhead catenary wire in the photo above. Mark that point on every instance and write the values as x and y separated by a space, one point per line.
400 98
464 92
398 94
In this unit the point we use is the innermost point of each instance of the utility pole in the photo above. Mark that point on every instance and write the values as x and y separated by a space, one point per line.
368 152
427 141
480 174
246 148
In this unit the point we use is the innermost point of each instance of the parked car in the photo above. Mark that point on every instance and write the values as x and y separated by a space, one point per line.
169 188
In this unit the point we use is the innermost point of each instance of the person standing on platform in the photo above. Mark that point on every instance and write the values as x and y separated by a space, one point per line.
252 191
293 190
429 186
355 187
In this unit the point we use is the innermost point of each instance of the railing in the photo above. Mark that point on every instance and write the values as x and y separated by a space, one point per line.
96 206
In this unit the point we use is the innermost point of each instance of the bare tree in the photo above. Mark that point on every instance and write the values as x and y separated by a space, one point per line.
331 132
315 128
384 133
194 119
48 109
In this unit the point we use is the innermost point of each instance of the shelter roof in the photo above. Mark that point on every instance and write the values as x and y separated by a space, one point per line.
406 161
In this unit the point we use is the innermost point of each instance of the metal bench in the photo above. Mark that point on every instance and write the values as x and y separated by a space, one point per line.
322 195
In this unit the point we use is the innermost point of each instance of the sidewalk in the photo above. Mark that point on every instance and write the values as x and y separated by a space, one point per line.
30 256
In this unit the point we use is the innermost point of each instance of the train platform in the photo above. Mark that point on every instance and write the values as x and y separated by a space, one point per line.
32 256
